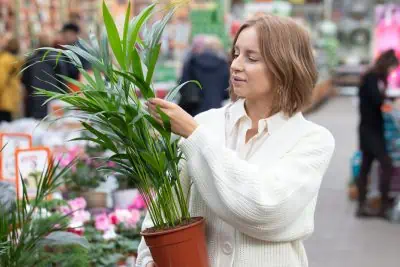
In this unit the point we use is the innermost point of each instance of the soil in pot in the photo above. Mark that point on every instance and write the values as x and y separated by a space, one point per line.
182 246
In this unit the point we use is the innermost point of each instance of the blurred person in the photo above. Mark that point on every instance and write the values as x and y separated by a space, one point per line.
372 91
10 84
70 36
42 74
254 167
70 33
207 64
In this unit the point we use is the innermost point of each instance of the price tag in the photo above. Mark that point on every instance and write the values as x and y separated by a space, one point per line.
30 164
10 142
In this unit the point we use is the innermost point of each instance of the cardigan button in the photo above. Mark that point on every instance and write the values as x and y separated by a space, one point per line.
227 248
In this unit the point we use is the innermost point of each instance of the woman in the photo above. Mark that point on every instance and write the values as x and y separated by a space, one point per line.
372 142
256 165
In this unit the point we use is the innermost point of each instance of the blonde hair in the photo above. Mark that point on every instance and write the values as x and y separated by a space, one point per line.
287 51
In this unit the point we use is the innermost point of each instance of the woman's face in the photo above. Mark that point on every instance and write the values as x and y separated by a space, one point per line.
249 75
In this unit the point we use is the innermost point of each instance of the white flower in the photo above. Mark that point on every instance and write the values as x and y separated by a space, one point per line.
110 234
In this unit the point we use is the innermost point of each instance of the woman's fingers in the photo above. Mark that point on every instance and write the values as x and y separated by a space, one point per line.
160 102
156 108
154 112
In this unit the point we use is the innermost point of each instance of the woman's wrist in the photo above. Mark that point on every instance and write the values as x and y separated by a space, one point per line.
191 128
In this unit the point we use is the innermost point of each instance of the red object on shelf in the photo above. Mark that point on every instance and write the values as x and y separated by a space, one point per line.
161 93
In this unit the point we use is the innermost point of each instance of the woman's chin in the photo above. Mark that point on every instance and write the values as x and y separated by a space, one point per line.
240 93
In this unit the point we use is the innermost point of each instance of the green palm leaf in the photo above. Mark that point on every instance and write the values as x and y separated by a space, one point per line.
113 35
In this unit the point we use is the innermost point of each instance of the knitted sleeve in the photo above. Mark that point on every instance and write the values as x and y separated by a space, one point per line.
256 200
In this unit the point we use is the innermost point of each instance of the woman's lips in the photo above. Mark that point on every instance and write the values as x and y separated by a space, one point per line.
237 80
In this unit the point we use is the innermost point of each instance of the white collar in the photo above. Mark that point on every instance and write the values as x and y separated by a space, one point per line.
236 111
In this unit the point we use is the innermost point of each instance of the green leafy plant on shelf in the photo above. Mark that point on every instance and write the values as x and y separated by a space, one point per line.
29 236
110 109
104 252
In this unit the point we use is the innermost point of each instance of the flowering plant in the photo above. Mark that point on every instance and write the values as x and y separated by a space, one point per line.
84 174
112 236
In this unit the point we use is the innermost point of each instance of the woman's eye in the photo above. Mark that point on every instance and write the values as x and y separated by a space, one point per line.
252 59
235 55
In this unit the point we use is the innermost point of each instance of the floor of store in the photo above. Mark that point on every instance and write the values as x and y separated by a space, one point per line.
339 238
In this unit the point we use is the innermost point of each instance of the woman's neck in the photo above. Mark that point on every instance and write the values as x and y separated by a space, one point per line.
257 110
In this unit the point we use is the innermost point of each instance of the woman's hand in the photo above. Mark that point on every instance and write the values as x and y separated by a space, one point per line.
151 264
182 123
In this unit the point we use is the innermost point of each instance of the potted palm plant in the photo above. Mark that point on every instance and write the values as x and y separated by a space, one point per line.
142 150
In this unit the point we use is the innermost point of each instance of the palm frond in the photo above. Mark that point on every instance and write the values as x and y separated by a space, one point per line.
111 111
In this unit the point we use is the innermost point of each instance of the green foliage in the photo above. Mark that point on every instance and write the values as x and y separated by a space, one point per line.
107 253
112 112
27 232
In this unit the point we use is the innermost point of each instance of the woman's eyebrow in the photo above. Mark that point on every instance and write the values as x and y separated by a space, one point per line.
248 51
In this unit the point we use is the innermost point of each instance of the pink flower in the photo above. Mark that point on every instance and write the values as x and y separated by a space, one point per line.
113 218
81 216
134 219
68 157
73 169
88 161
123 215
126 217
111 164
65 210
77 203
138 203
102 222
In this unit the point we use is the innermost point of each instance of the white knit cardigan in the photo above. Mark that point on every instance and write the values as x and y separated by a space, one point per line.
268 200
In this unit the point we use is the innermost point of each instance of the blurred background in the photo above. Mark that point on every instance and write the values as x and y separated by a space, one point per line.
347 36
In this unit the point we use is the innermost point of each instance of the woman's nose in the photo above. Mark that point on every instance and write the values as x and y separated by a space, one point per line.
236 65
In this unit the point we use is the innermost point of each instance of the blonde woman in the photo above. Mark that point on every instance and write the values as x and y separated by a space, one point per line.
257 164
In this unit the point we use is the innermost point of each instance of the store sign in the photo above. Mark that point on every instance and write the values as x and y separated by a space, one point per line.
10 142
277 8
30 164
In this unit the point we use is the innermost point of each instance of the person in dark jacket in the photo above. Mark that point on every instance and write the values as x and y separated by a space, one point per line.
70 36
42 74
210 67
371 133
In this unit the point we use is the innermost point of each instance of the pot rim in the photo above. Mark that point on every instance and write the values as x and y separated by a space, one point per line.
199 220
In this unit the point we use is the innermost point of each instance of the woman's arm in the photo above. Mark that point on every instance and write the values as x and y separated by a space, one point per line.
258 201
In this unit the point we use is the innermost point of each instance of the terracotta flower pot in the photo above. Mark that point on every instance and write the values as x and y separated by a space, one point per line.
182 246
